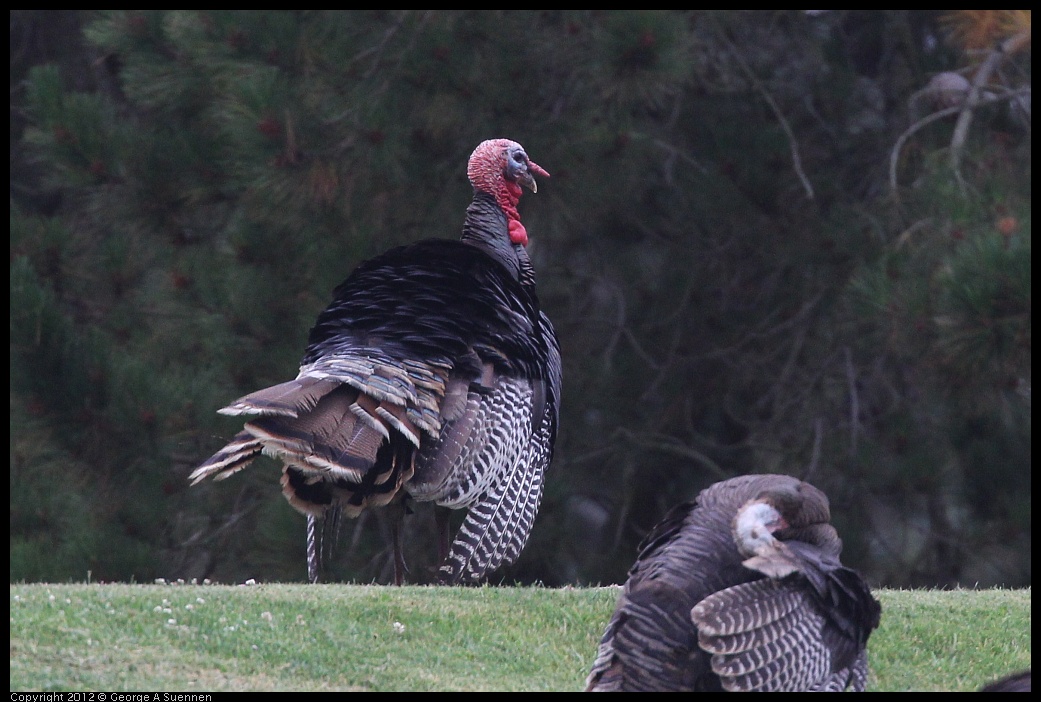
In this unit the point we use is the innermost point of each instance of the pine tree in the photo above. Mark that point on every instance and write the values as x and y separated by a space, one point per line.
767 245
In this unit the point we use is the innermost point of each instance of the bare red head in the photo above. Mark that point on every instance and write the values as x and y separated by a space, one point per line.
500 167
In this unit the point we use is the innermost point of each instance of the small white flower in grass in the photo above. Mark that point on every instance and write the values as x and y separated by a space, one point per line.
300 620
200 600
189 607
171 622
251 581
255 647
157 608
266 616
160 581
399 627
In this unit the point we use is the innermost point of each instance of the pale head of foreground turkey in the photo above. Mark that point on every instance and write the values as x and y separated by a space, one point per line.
500 167
755 525
763 525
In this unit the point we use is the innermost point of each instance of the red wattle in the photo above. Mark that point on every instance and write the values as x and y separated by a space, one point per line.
518 234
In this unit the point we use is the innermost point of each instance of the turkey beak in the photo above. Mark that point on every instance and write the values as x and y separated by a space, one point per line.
528 180
777 525
525 178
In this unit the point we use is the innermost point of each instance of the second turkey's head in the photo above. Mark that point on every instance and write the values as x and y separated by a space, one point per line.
755 525
791 511
500 167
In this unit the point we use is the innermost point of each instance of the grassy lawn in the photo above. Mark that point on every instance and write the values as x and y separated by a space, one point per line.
374 638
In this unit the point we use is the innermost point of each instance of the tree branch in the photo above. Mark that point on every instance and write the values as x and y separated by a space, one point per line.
670 445
854 402
793 145
961 129
894 155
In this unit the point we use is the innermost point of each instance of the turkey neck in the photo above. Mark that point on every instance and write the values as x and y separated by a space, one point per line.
486 227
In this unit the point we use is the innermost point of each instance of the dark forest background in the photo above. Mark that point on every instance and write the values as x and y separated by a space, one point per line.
785 241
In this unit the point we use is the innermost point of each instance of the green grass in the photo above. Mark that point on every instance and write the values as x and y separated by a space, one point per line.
374 638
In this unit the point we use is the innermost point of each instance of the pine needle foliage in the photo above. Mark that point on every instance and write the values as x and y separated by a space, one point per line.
766 246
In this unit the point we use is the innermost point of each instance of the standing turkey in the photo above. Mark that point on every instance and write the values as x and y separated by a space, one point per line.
432 375
741 590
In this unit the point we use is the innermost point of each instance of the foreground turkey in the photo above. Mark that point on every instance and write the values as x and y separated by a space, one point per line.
741 590
432 375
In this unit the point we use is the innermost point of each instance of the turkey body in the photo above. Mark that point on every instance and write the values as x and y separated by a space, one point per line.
740 590
1016 682
432 375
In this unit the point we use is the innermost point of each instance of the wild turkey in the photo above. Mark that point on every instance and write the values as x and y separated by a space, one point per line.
432 375
740 590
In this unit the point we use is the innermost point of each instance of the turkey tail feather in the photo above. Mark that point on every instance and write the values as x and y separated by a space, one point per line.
289 399
497 527
238 454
